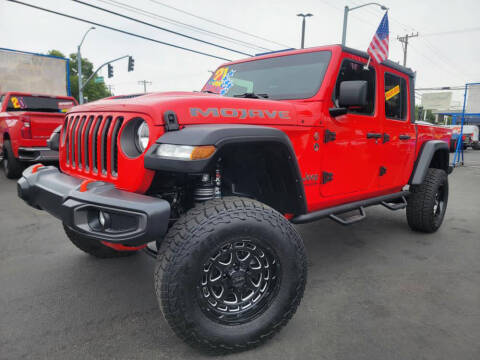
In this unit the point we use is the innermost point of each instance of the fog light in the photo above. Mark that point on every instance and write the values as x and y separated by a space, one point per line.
104 219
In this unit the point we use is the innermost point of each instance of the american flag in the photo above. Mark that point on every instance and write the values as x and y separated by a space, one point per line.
378 48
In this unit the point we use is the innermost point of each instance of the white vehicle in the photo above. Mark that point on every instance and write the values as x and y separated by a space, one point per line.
471 136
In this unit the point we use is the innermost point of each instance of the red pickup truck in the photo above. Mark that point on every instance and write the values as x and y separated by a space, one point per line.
26 122
216 179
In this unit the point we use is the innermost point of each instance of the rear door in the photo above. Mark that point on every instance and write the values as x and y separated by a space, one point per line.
350 154
399 136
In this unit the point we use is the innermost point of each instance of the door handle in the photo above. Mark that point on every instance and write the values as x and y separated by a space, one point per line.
404 137
374 135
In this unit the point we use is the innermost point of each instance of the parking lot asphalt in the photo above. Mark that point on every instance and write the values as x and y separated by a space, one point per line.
376 290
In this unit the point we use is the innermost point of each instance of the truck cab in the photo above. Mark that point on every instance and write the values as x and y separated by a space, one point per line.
216 179
26 122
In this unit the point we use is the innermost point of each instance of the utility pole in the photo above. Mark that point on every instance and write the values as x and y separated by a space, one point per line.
303 27
145 83
404 41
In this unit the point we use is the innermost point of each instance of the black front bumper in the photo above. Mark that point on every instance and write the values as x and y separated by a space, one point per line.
132 219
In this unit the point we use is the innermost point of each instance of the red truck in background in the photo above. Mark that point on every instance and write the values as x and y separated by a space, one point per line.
215 179
26 122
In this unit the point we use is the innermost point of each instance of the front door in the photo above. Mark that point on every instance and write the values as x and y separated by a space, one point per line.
351 160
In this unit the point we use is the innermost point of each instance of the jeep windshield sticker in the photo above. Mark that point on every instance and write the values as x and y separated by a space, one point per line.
239 113
221 81
392 92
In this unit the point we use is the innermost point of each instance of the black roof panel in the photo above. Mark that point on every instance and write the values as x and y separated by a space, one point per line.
388 63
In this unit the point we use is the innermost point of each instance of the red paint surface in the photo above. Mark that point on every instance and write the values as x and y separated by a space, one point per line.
120 247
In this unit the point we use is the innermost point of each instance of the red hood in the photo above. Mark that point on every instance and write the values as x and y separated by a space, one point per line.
197 108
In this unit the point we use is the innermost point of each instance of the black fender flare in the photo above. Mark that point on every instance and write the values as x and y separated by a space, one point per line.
221 135
425 156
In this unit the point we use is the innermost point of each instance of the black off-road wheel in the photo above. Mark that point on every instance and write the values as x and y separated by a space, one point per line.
12 166
427 202
230 274
93 247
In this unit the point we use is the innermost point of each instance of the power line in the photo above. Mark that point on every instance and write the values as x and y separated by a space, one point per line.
119 30
181 24
160 28
217 23
450 32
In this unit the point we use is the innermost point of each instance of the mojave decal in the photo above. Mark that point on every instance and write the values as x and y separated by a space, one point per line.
240 113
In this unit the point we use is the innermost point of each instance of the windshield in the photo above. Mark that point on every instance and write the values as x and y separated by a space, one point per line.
296 76
38 103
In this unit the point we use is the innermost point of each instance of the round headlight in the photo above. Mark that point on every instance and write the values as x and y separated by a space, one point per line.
142 136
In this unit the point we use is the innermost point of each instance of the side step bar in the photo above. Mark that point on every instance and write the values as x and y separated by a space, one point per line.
352 219
331 212
395 206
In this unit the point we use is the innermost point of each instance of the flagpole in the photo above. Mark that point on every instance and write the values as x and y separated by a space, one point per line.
368 63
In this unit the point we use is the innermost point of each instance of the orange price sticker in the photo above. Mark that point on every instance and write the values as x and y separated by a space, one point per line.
392 92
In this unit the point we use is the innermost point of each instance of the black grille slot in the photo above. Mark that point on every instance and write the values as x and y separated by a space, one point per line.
86 152
95 142
103 145
78 156
72 141
114 146
66 129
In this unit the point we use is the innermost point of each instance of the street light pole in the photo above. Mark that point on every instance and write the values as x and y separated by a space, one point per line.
79 67
347 9
303 27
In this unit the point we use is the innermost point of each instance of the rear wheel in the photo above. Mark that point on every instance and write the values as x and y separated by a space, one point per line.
94 247
427 202
230 273
12 166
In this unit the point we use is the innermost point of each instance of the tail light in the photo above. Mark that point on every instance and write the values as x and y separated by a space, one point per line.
26 129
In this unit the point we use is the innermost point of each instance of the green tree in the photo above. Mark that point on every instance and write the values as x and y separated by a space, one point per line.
93 90
419 114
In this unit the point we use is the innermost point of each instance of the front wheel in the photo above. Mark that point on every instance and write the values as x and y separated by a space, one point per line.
427 202
230 273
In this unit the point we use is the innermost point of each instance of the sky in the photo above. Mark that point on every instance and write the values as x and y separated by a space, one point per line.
446 52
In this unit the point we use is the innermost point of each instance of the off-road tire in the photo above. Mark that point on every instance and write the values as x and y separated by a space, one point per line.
93 247
12 166
179 267
421 202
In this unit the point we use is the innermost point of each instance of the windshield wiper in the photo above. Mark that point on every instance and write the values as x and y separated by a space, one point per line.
251 95
209 92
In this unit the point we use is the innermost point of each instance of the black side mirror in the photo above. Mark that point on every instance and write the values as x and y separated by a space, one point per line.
352 93
337 111
53 141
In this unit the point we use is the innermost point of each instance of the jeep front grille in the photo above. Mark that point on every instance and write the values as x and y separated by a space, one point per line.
91 143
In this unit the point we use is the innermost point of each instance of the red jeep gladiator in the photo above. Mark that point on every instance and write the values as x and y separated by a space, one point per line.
217 178
26 122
